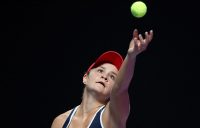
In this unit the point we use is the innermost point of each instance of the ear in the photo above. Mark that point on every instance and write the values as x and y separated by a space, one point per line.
85 79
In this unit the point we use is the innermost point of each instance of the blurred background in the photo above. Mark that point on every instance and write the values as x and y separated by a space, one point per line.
55 42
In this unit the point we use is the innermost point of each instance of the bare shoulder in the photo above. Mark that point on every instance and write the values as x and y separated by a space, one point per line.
60 119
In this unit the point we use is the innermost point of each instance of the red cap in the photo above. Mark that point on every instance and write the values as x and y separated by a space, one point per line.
108 57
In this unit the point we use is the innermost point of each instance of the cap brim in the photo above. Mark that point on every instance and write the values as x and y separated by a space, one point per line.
108 57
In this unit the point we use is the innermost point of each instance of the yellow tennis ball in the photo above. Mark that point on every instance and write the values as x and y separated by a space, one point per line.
138 9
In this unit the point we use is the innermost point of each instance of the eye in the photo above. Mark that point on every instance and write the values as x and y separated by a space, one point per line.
100 70
112 77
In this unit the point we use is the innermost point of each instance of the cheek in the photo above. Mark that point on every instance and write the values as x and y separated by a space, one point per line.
93 76
111 84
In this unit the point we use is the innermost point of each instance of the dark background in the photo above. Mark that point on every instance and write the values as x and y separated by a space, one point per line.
56 41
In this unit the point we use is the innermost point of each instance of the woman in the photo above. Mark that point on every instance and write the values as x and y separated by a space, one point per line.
105 102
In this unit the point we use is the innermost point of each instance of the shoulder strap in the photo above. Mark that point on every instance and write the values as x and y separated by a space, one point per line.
68 120
96 121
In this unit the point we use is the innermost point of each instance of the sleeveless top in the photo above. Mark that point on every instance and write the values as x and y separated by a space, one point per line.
96 121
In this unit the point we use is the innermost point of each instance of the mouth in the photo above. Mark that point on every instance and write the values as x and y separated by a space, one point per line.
101 83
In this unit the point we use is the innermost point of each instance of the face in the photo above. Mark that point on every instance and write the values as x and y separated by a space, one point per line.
101 79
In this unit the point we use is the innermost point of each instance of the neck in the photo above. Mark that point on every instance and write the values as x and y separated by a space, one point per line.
89 104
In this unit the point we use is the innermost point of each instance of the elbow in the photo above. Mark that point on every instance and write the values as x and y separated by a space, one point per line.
120 88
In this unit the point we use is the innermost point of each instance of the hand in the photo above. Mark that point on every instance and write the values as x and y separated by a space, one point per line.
138 43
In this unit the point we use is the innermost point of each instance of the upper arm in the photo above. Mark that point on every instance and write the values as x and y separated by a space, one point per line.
117 110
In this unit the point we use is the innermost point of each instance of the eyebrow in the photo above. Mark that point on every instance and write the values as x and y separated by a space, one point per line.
111 71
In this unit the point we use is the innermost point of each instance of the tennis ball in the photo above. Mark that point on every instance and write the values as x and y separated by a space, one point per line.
138 9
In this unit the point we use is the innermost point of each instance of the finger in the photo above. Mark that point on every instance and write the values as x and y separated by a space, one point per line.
150 35
143 42
132 43
141 38
137 43
147 37
135 33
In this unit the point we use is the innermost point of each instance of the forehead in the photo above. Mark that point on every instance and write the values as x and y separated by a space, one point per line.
108 66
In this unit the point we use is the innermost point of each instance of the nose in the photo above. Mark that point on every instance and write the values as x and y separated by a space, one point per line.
104 77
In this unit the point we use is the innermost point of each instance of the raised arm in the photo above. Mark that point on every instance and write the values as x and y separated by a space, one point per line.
118 107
